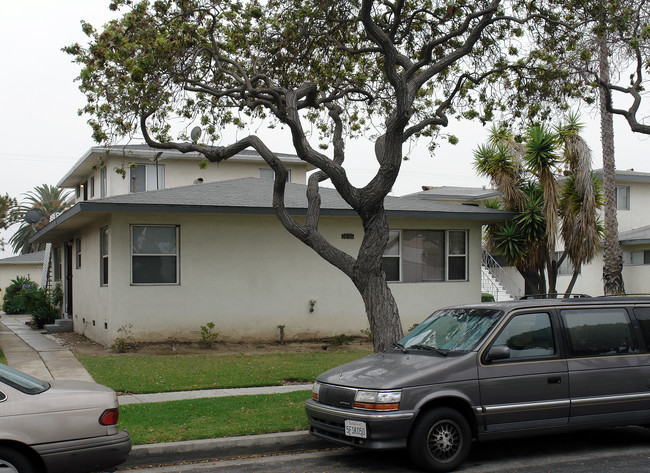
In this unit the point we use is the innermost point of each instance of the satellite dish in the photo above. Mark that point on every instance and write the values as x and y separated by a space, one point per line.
32 216
195 134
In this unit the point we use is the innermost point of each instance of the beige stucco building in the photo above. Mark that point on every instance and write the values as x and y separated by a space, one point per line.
29 266
164 262
632 202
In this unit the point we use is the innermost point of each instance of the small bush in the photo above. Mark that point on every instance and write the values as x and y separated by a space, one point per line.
40 305
14 301
341 339
208 337
487 297
124 340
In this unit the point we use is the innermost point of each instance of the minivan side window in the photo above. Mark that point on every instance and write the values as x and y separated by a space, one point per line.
528 336
643 316
598 332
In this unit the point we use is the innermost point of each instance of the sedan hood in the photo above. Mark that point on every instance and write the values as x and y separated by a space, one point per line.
395 369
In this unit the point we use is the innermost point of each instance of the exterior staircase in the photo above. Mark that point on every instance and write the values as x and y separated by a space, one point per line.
495 281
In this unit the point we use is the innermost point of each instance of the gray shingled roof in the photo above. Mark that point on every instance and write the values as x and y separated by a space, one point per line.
29 258
254 196
455 193
636 236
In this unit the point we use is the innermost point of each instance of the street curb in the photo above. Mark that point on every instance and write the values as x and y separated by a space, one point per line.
220 448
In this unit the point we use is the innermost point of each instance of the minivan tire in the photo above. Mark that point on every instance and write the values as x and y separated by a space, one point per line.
440 440
14 461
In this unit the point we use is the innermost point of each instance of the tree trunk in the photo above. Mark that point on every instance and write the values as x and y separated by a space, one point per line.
381 310
369 278
612 255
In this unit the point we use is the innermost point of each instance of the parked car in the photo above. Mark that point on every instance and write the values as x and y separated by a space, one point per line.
58 426
492 370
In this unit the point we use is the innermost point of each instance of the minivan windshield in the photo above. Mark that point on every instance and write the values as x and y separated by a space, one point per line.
455 329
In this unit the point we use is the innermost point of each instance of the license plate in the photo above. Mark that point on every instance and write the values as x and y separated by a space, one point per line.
354 428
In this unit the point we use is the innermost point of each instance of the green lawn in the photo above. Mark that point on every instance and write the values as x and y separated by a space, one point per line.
2 357
210 418
165 373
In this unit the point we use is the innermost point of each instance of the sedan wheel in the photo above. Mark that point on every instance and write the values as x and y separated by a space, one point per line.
12 461
440 440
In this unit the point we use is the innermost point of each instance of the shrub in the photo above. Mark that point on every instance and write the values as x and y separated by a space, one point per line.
339 340
40 305
124 340
14 301
208 337
487 297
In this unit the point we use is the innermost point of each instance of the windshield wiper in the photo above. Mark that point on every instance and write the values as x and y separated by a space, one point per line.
400 347
427 347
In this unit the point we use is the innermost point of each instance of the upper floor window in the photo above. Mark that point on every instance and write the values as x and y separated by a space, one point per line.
92 187
270 174
103 184
622 197
147 177
426 255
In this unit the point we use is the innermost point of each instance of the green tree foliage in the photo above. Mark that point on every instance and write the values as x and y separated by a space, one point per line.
549 184
8 211
48 201
8 214
325 70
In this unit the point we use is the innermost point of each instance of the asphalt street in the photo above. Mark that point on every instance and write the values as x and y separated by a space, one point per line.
621 450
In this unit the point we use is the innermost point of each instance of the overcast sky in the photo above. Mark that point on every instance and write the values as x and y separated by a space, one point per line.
42 136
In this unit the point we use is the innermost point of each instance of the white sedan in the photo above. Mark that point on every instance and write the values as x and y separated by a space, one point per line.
58 426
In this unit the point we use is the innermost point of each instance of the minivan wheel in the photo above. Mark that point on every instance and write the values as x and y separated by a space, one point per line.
440 440
12 461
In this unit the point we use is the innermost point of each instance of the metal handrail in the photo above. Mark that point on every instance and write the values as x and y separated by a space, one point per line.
498 273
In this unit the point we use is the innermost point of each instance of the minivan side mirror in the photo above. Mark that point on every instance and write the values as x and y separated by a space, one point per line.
498 353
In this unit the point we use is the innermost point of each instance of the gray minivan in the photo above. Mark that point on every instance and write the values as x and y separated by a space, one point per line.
492 370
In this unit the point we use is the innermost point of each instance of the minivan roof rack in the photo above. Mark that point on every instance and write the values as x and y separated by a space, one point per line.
558 295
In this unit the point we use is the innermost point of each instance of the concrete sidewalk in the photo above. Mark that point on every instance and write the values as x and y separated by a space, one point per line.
32 352
35 353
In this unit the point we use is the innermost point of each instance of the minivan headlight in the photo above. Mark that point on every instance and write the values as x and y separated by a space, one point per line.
378 400
315 390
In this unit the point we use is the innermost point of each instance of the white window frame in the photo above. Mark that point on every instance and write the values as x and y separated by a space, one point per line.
269 174
151 181
103 182
623 203
138 254
104 275
447 256
636 257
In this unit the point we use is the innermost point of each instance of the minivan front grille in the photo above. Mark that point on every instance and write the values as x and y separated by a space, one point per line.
336 396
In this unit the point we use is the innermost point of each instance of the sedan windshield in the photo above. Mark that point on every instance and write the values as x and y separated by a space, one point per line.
451 330
21 381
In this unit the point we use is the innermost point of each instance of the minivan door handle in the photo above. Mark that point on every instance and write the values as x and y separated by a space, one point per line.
555 380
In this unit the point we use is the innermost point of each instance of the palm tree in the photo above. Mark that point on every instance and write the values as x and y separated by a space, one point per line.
48 201
612 254
528 240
